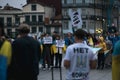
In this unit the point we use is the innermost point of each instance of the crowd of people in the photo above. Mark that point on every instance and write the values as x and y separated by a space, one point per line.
23 55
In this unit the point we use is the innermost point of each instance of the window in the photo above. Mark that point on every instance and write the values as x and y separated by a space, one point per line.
17 21
40 29
57 29
33 7
83 11
34 30
65 25
70 2
65 2
62 1
27 18
74 1
65 12
84 25
48 30
40 18
83 1
9 21
78 1
2 19
9 31
34 19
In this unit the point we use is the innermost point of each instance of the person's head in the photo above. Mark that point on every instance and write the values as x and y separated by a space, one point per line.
57 37
1 29
80 34
69 34
24 29
100 39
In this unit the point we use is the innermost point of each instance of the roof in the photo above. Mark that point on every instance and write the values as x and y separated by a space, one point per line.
54 3
38 3
8 7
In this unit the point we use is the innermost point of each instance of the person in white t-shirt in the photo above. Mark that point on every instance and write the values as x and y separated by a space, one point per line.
79 58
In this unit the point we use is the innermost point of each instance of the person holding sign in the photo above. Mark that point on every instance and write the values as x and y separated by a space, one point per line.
47 42
58 48
79 58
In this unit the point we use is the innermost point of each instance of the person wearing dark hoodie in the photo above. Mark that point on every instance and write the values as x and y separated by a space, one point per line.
25 56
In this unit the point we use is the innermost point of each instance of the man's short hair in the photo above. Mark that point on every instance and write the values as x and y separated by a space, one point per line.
80 34
24 28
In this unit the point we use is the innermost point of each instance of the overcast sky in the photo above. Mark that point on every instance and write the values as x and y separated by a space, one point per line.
14 3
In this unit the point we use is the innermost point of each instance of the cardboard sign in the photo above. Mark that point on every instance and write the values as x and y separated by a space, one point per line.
47 40
60 43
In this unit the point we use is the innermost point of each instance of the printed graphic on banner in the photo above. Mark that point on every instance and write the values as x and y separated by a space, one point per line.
75 15
47 40
60 43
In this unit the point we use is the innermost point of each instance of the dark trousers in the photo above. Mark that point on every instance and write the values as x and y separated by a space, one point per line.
52 59
101 60
46 59
58 59
46 56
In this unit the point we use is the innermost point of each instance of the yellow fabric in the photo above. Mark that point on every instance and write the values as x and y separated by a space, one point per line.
54 49
41 47
6 50
102 44
116 67
90 41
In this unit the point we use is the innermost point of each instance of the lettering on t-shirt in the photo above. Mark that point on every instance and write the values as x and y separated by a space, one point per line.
82 57
80 50
79 75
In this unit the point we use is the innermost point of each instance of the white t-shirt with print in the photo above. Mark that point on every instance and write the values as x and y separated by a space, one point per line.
79 56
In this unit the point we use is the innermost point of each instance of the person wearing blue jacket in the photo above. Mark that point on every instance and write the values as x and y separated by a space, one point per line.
69 39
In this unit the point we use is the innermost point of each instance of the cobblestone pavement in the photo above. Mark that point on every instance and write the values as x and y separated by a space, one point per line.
104 74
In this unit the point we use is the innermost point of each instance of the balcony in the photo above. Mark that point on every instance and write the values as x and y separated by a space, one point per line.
35 23
12 25
89 5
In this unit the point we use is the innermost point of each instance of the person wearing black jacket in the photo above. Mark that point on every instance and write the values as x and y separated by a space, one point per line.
25 56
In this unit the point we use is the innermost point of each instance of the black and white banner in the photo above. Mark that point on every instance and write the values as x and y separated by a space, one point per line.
75 15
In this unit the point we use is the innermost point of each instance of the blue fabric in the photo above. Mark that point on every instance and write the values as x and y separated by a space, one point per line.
69 41
3 67
116 50
114 39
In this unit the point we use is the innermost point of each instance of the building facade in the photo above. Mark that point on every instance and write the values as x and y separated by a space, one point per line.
94 13
37 15
55 3
10 16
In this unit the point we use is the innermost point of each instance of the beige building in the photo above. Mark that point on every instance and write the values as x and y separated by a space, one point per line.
36 15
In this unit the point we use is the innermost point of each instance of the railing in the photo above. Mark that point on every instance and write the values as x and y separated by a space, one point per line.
12 24
35 23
